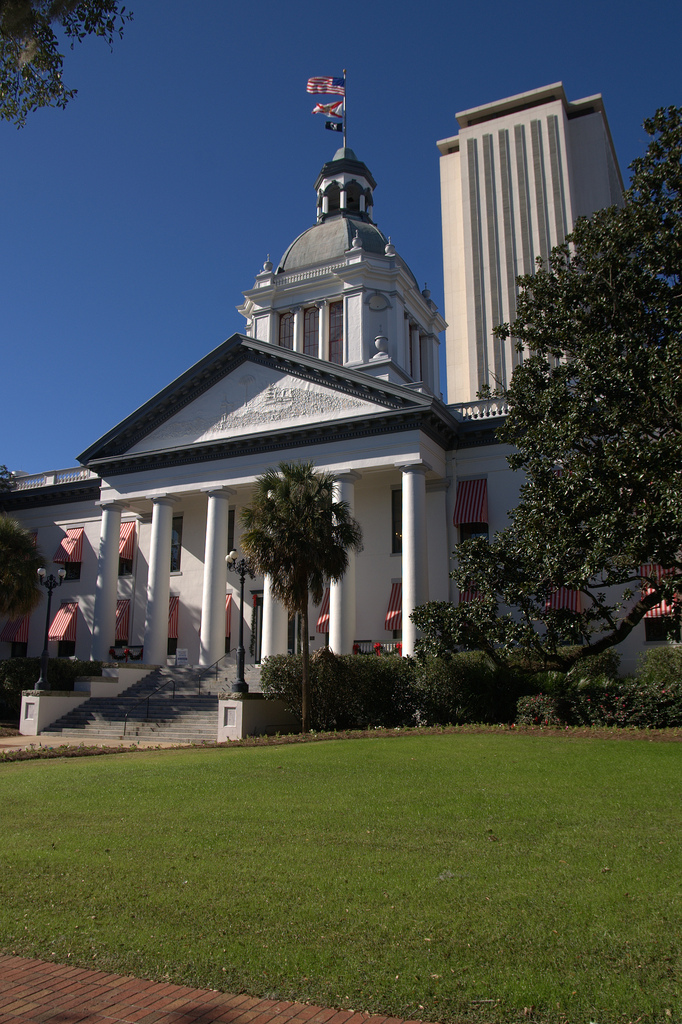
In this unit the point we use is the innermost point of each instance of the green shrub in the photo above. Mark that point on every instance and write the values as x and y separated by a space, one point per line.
640 703
466 687
347 691
661 666
537 709
17 674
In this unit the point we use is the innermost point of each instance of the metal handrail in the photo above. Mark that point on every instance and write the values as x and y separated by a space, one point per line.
143 699
197 676
202 672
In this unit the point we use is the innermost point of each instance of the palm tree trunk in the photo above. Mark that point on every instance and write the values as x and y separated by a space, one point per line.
305 673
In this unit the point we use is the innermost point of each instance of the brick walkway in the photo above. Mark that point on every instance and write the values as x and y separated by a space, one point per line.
35 992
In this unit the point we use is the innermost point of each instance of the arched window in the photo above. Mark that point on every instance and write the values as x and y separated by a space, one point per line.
353 193
286 330
333 194
311 331
336 332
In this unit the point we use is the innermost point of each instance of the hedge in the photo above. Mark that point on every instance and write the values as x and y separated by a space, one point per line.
17 674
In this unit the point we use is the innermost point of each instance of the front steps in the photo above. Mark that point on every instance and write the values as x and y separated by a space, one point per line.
189 716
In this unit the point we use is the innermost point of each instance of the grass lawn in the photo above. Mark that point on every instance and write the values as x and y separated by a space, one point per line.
454 878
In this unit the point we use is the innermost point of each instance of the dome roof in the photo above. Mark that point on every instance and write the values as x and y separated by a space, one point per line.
330 240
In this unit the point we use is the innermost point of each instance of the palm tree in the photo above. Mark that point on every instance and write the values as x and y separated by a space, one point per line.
19 564
300 537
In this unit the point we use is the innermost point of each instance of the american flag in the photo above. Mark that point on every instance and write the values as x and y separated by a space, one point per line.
327 84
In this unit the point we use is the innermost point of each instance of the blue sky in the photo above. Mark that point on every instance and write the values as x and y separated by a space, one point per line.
133 220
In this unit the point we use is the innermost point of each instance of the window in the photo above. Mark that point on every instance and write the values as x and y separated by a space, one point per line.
172 645
230 530
126 546
336 332
176 544
286 330
66 648
467 531
19 649
311 331
70 553
396 522
663 628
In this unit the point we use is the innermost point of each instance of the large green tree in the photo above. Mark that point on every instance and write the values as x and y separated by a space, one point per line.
30 59
19 564
299 536
596 423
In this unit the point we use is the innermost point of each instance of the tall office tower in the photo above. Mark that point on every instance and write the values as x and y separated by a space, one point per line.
513 183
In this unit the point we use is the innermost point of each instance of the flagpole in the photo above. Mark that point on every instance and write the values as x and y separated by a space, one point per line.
345 104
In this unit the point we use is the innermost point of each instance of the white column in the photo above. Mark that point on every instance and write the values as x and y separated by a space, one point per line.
275 623
158 582
298 328
415 552
212 638
342 607
323 332
106 587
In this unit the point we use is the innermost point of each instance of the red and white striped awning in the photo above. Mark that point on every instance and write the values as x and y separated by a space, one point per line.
228 615
471 504
564 598
122 619
126 544
659 611
323 617
70 549
394 613
15 631
173 610
64 623
469 594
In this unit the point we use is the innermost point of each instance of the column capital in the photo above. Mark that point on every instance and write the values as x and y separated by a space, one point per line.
321 303
115 506
163 499
417 466
348 476
218 492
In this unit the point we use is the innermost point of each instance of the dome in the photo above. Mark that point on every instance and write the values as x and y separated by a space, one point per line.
329 241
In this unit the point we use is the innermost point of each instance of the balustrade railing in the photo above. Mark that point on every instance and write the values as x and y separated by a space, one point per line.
485 409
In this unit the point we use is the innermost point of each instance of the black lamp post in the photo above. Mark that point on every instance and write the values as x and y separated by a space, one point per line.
242 568
50 583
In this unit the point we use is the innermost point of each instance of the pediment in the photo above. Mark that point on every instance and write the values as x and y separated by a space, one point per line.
253 399
240 392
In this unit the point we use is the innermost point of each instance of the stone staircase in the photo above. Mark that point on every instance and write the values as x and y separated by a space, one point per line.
190 715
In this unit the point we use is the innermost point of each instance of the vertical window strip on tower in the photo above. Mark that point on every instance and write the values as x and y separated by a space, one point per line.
493 255
540 187
558 193
477 263
524 197
509 233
